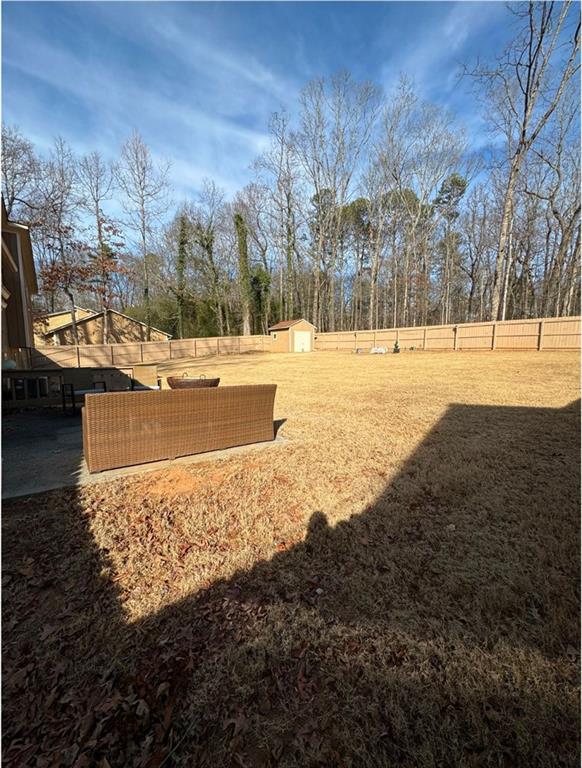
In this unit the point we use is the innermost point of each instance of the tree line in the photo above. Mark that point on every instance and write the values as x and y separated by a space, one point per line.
366 210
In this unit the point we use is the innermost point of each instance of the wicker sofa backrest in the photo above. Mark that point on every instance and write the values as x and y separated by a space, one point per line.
121 429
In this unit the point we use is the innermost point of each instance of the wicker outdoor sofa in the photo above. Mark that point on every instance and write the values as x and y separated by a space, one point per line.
121 429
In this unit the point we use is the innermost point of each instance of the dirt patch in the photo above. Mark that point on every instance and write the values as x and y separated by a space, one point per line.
174 482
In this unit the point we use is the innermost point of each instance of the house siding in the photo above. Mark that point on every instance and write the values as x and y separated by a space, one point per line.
16 314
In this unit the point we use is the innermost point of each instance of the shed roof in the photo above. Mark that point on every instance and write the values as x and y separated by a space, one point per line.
286 324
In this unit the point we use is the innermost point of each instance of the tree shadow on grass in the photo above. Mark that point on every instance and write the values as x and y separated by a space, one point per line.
437 627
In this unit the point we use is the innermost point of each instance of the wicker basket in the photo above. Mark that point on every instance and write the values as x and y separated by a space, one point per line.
176 382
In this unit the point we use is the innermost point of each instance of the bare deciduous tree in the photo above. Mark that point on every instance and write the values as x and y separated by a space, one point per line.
524 88
19 170
146 188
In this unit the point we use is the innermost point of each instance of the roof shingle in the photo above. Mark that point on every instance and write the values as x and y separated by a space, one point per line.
284 325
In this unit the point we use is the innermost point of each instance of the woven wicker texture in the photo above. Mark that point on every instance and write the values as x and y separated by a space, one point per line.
121 429
176 382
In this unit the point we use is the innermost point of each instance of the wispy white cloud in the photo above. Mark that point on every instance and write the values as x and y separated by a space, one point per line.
200 80
202 141
432 58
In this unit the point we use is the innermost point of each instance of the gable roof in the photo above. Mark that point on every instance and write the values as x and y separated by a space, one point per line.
99 314
65 312
286 324
48 322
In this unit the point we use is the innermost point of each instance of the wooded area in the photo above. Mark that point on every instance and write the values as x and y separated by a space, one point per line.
367 210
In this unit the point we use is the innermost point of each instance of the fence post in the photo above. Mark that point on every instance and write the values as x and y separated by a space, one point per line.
195 353
141 352
170 348
112 358
493 336
424 340
239 345
455 331
218 345
540 335
78 357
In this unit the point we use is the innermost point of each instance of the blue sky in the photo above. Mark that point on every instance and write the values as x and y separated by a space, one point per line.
200 80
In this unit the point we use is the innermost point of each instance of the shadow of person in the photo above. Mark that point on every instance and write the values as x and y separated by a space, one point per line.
439 626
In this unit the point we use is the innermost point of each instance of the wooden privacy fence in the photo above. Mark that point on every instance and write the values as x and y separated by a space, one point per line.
119 355
557 333
546 333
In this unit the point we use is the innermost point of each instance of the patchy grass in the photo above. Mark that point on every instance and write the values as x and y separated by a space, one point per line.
397 585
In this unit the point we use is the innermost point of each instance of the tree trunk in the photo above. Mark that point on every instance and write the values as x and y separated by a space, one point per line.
573 273
290 249
180 275
243 273
374 271
316 289
227 318
73 317
504 243
146 297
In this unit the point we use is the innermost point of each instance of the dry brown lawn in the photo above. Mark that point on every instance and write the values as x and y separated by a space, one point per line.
396 584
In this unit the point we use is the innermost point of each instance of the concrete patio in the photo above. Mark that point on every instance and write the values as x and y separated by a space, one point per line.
43 450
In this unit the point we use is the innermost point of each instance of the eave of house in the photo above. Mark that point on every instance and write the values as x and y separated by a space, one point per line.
23 234
9 257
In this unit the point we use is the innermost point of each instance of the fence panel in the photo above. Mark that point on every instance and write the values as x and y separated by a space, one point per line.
254 343
410 337
155 351
54 357
561 333
126 354
338 340
228 345
364 339
182 348
95 356
517 335
386 338
475 336
539 333
206 347
440 337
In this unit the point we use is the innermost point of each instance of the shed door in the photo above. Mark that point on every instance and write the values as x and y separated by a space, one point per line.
302 341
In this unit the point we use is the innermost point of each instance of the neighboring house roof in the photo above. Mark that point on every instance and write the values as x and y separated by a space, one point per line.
23 233
285 324
67 312
51 321
99 314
